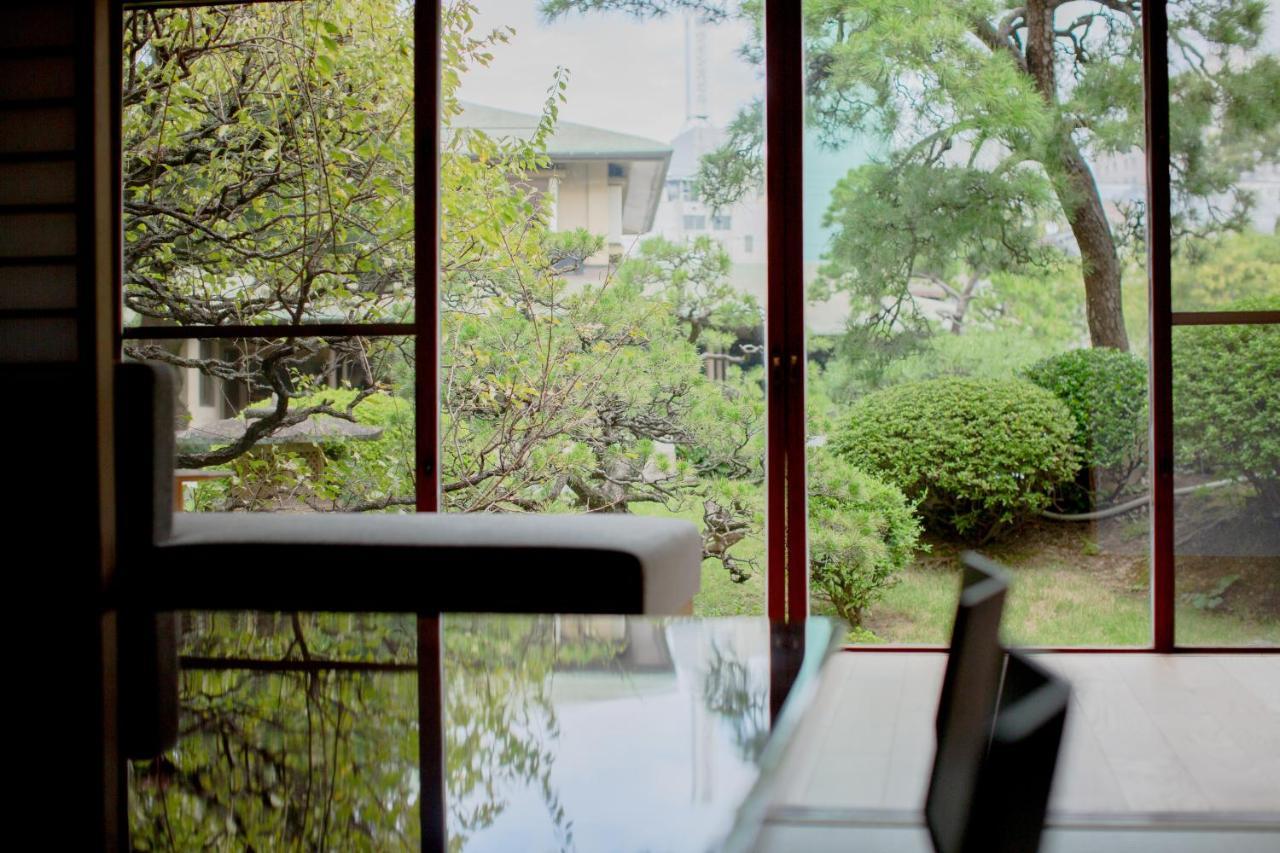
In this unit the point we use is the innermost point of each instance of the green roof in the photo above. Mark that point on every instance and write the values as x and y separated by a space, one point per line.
569 142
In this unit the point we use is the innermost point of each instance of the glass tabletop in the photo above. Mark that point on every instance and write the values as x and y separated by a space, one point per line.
561 732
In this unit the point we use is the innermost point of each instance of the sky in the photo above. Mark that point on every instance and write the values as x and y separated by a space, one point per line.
625 75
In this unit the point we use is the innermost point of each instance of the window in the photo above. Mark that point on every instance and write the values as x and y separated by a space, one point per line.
275 243
775 394
959 339
330 325
290 278
994 295
1217 394
573 431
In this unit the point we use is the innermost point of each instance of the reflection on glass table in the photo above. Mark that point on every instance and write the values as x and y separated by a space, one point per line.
561 732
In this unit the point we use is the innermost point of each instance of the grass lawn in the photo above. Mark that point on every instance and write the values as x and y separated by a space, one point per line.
719 595
1053 604
1073 585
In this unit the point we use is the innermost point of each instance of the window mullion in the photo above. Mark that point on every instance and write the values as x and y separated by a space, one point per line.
786 518
1155 62
426 239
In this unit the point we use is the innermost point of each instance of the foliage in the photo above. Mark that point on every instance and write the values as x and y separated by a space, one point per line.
267 178
284 760
979 353
992 113
1047 305
269 174
1106 391
862 532
1211 274
1226 392
898 223
347 476
733 512
694 279
263 153
328 759
977 455
574 395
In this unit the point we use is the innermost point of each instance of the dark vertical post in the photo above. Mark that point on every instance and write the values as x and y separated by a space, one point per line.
115 40
426 241
783 148
1155 63
786 654
432 807
93 731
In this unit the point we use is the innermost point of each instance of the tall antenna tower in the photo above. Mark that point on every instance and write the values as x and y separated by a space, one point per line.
696 110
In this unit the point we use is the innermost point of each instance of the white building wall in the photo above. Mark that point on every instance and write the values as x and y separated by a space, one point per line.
682 217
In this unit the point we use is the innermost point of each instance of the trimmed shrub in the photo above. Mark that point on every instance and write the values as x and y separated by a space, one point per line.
1106 391
1226 400
862 532
977 455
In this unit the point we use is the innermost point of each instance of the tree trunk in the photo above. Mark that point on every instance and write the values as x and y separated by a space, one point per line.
1078 194
1083 207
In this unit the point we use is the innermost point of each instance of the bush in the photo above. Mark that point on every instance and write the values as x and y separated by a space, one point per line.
862 532
352 475
980 353
1106 391
1226 400
977 455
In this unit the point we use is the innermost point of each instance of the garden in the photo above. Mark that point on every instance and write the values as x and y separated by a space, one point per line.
1013 420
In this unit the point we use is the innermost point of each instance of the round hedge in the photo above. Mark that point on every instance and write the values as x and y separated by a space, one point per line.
1226 400
862 533
1106 391
977 455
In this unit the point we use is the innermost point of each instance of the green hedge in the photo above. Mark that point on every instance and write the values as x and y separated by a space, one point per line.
862 532
977 455
1226 400
1106 391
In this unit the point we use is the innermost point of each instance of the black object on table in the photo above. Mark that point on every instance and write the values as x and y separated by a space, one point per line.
966 708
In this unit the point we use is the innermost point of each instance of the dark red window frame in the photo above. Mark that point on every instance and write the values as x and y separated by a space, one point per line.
786 519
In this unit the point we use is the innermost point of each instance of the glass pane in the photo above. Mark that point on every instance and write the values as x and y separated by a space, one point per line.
267 761
1226 410
291 425
344 443
534 711
268 163
1225 153
320 759
977 319
348 637
603 282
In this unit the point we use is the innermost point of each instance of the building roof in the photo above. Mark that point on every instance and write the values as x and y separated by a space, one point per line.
570 141
644 161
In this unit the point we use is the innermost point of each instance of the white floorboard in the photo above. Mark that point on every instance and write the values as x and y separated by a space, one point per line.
1146 734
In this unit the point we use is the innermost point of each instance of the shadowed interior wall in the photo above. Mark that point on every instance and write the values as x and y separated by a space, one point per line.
56 256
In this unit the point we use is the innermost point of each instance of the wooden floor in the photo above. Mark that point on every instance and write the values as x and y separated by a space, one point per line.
1146 735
